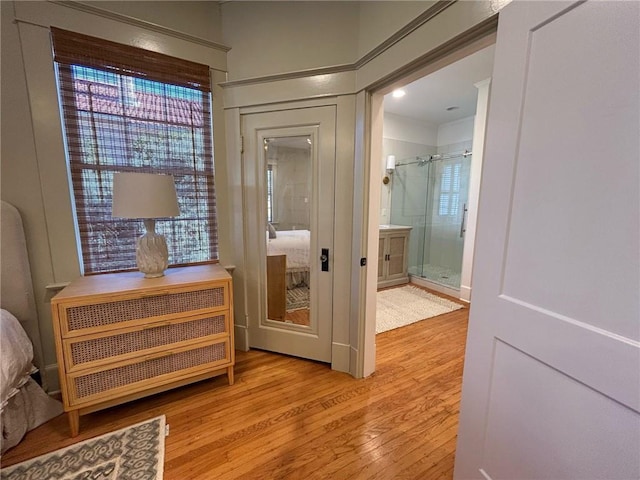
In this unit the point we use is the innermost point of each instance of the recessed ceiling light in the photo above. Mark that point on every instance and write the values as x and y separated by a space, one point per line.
398 93
452 108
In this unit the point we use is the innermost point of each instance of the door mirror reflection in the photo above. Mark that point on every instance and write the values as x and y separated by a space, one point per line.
288 231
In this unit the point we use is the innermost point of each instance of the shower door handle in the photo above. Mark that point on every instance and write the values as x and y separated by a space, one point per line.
463 227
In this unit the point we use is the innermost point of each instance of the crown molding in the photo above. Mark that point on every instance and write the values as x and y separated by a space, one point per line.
416 23
311 72
83 7
482 30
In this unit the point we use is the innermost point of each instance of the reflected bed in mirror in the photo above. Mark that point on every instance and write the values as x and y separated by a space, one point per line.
288 276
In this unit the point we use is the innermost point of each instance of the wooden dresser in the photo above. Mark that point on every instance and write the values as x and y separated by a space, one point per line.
121 336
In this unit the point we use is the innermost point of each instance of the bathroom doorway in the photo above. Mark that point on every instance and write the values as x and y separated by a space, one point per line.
431 160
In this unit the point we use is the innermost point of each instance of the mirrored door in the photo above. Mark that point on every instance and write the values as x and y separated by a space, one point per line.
289 163
288 178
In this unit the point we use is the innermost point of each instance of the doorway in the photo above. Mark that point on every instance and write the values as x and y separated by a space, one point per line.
431 157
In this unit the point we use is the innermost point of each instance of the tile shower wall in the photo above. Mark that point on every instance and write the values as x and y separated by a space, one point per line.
403 137
430 198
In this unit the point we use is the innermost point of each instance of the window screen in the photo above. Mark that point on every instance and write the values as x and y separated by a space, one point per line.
130 110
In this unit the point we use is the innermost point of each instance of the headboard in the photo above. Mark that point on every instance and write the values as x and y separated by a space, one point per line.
16 288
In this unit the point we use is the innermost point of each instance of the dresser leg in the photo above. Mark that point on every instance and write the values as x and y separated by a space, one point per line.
74 422
230 375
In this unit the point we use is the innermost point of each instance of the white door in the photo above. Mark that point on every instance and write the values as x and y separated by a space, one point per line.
551 385
288 176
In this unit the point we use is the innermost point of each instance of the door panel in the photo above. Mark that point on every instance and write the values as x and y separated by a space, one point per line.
551 386
397 247
288 172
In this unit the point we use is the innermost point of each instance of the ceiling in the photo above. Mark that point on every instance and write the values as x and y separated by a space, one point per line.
427 99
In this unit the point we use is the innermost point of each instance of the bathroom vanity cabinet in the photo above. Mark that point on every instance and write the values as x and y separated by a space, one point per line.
393 251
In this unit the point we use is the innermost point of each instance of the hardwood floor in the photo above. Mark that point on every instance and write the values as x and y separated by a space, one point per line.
299 317
287 418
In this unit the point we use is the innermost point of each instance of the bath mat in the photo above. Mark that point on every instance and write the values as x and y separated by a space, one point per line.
135 452
297 298
402 306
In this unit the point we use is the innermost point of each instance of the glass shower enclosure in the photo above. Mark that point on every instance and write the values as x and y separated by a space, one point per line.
430 193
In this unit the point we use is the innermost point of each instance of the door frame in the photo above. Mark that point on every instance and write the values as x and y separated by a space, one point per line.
351 88
344 352
317 123
372 110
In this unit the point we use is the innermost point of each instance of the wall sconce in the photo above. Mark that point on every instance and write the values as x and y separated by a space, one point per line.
391 166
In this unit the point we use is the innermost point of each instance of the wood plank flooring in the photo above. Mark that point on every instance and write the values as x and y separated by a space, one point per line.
287 418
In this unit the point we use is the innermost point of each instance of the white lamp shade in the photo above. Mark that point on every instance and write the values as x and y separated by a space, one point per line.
144 195
391 162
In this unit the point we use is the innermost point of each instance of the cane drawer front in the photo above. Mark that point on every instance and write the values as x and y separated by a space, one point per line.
93 351
81 318
88 387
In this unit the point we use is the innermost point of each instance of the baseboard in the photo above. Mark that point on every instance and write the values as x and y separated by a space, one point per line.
51 379
241 337
452 292
394 282
353 362
465 293
340 357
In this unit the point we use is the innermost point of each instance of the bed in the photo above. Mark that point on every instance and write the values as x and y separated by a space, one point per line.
24 405
295 245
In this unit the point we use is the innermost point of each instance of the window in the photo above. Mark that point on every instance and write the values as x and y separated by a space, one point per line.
127 109
270 201
450 190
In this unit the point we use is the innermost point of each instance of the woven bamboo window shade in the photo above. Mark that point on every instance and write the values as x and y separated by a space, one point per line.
126 109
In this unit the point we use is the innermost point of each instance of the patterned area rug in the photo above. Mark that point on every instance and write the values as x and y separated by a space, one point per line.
297 298
402 306
135 452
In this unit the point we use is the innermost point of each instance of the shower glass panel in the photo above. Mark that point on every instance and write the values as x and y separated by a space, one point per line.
430 193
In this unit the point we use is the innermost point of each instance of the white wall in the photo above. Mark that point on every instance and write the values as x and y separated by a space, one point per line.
197 18
379 20
269 38
405 138
408 129
292 188
34 172
326 33
455 132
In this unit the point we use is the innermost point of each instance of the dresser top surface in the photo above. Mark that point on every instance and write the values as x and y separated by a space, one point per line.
127 282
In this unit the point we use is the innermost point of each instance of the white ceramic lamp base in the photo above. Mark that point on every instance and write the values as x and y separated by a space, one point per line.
152 254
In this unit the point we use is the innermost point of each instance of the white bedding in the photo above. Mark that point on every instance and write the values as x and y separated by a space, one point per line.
25 405
16 357
295 245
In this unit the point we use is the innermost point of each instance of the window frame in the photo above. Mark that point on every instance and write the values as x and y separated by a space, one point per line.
75 166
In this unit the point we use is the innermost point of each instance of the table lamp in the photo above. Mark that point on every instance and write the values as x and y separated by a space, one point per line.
147 196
